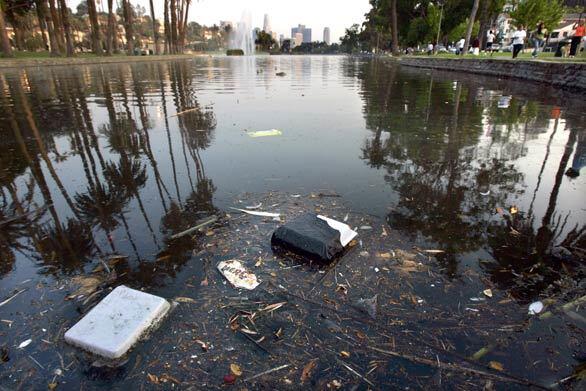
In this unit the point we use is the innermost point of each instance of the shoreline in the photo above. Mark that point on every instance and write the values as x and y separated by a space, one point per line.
566 75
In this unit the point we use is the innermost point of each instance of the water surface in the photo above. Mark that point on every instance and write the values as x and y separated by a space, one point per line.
95 160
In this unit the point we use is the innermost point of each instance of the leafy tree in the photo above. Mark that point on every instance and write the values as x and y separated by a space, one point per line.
529 12
350 41
264 41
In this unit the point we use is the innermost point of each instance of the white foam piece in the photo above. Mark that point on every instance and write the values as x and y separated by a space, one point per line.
346 233
117 322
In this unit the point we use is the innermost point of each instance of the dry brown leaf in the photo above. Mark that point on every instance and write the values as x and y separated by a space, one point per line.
513 210
487 292
500 211
87 285
273 307
51 386
308 369
384 255
153 378
235 369
344 354
496 365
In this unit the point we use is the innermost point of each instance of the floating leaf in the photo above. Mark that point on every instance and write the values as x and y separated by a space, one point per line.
496 365
235 369
307 370
273 307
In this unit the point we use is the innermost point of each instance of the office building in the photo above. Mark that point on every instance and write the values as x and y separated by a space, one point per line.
327 35
305 32
267 24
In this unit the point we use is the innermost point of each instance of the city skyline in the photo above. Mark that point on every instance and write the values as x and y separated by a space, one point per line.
316 15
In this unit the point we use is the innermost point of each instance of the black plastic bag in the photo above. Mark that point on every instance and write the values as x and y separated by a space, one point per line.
309 236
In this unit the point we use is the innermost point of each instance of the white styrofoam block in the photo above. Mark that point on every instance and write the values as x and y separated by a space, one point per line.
116 323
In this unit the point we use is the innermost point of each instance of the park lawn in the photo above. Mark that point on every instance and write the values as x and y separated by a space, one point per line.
549 56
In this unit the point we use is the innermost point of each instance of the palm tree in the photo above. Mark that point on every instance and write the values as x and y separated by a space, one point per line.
95 26
53 44
394 27
66 28
127 11
155 30
6 48
112 34
57 27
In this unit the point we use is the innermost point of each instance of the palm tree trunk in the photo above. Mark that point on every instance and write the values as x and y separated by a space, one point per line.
58 29
167 28
66 28
95 26
173 11
155 30
6 48
128 27
42 23
394 28
184 25
470 25
112 36
53 44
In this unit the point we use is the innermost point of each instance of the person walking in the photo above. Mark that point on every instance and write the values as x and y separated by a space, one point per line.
519 40
489 41
579 33
537 38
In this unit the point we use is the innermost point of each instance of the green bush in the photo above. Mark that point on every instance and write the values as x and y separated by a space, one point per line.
235 52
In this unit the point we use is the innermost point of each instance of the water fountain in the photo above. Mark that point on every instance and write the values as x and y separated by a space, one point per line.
241 37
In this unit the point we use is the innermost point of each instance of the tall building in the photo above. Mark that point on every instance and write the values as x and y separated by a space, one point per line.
306 32
327 35
267 24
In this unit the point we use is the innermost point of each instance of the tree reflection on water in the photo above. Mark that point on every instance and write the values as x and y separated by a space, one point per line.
449 152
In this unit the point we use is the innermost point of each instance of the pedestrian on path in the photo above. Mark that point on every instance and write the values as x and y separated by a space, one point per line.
519 40
579 33
537 38
489 41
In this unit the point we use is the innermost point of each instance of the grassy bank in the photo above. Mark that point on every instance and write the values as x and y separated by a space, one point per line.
509 56
33 59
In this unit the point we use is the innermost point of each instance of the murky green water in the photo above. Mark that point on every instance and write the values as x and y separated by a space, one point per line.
94 160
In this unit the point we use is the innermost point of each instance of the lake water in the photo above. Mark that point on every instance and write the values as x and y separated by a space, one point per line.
95 160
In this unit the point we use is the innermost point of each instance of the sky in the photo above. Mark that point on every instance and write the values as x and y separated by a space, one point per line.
284 14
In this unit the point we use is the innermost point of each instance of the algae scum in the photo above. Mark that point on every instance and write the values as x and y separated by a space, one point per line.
466 192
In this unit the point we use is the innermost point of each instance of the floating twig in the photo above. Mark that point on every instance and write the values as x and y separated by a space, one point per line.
193 229
267 372
11 297
183 112
352 371
254 341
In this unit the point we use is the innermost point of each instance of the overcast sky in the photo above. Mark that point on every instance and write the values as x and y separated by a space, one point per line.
284 14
